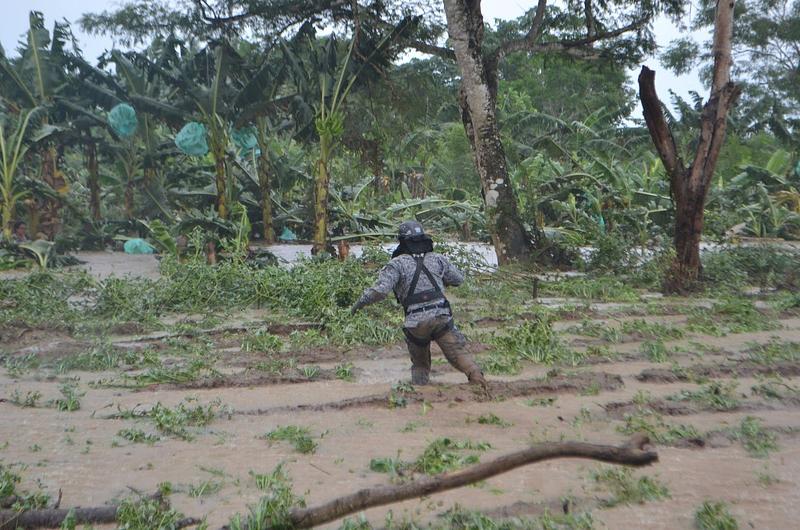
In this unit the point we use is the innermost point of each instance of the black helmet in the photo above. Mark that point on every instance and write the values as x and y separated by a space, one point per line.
410 230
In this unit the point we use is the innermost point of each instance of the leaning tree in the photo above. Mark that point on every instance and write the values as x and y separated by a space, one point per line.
689 184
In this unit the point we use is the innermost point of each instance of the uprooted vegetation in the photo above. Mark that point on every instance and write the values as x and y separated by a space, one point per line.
282 370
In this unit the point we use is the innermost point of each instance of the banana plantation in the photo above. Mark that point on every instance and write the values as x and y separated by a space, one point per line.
201 225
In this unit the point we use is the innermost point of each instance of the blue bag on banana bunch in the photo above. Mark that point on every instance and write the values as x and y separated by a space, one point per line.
192 139
122 119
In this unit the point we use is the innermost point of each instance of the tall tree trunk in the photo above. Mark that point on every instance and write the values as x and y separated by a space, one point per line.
321 186
50 223
94 178
220 172
689 186
129 197
478 104
264 186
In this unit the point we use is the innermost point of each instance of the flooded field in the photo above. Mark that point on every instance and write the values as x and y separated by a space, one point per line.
210 405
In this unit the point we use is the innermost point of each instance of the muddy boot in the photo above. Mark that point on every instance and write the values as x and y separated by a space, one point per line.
420 376
477 378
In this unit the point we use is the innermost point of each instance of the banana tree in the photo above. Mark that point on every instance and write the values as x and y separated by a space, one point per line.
319 66
12 151
33 80
231 94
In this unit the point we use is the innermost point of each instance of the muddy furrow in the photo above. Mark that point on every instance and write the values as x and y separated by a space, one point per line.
741 369
498 390
618 410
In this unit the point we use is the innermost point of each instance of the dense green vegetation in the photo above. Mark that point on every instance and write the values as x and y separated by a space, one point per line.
225 138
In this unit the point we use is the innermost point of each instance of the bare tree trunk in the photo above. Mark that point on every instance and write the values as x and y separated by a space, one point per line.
478 105
321 188
690 185
50 222
264 186
94 179
220 173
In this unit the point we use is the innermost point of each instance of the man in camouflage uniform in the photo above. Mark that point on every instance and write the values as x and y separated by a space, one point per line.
417 275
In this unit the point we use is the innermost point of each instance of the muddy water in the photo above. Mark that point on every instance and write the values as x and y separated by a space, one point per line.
81 454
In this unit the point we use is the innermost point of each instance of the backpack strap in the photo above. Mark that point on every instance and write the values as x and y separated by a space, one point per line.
429 295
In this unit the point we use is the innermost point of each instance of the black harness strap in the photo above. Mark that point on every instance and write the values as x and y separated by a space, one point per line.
413 298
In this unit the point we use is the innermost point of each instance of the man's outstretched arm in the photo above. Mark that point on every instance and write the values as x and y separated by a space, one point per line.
387 279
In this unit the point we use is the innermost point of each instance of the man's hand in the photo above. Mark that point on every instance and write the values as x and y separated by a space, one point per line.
358 305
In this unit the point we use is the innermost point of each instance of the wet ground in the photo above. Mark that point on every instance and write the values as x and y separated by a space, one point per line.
82 454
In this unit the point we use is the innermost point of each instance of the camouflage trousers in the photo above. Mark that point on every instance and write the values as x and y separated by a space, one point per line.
453 344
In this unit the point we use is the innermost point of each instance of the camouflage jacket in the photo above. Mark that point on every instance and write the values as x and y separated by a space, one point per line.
397 276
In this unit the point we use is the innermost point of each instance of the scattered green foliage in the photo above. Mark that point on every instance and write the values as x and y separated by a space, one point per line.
272 511
714 516
603 289
655 351
146 514
178 420
30 400
137 436
299 437
205 488
535 341
651 423
755 438
625 489
19 500
261 341
344 371
714 395
71 398
491 419
440 456
774 351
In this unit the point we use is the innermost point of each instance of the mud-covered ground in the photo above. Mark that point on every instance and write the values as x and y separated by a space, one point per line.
697 402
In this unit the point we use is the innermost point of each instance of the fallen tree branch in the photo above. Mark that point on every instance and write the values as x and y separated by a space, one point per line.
54 517
632 453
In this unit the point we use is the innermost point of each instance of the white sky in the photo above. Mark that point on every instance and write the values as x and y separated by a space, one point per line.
14 22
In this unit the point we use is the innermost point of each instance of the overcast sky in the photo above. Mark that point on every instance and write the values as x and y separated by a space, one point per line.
14 22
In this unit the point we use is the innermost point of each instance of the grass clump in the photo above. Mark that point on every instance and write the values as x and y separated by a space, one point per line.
299 437
756 440
775 388
651 330
603 289
344 371
774 351
440 456
625 489
18 500
146 514
535 341
138 436
714 395
205 488
70 399
731 315
655 351
647 421
272 511
178 420
262 341
459 518
29 400
714 516
491 419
